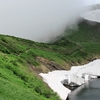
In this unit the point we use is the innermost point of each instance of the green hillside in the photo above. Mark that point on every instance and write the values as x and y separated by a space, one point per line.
20 63
18 81
86 33
22 60
88 36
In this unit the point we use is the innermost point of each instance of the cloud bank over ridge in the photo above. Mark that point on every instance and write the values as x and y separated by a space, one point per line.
38 20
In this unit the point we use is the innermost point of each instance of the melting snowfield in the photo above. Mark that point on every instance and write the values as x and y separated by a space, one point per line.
78 75
92 16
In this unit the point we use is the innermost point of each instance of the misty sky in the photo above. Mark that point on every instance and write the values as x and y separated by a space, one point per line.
38 20
89 2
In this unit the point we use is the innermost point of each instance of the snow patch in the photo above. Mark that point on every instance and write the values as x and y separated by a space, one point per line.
77 74
92 16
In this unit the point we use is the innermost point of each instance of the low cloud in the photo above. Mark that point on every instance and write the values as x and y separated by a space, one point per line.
38 20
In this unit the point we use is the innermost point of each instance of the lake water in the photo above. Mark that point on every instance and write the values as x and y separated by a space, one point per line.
88 91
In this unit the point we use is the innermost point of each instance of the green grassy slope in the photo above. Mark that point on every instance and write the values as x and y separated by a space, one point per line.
86 33
88 36
17 80
22 60
19 83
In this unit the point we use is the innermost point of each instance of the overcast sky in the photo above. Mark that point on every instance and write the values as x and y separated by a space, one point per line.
38 20
89 2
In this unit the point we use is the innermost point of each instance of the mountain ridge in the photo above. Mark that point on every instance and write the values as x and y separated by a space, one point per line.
22 60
